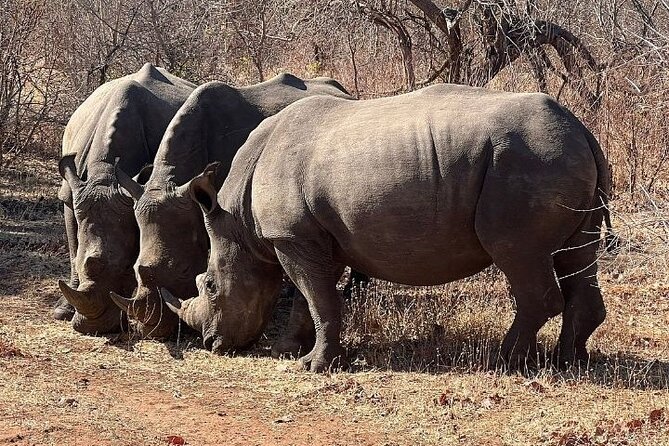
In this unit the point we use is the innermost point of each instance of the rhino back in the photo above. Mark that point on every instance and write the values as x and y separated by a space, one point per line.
217 118
125 118
395 178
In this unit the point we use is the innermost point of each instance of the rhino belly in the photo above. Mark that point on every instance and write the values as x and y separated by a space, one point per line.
411 266
414 247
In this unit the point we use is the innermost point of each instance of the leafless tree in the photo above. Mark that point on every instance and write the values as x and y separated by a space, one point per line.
27 93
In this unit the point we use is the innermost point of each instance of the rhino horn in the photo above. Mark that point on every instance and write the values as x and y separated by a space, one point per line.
80 301
180 307
122 302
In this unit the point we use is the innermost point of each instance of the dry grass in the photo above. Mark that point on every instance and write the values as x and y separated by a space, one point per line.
423 360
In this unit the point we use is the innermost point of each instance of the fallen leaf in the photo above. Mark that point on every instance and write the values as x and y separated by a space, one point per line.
175 440
635 424
573 439
9 351
69 402
443 399
658 415
284 419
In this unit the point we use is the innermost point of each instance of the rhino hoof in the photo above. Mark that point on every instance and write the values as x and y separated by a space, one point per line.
63 312
290 348
562 360
323 362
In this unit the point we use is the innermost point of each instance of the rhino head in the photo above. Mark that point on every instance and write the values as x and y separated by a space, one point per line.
173 251
107 245
237 293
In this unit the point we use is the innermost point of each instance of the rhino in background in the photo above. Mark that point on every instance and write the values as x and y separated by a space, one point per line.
422 189
122 120
211 126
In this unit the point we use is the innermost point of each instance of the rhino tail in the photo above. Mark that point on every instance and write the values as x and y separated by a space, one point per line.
611 240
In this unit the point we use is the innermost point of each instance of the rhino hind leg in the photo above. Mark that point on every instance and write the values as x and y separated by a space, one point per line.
538 298
299 337
576 268
521 244
311 267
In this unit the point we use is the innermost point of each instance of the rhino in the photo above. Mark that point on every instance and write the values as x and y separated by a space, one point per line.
210 126
422 189
120 123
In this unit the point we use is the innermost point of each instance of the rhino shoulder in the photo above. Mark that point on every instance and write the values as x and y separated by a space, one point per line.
149 71
215 93
287 79
333 84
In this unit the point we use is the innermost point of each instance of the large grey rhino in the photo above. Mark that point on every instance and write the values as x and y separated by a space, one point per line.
211 126
422 189
122 120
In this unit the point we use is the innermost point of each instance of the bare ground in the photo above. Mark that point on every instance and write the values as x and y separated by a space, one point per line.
423 359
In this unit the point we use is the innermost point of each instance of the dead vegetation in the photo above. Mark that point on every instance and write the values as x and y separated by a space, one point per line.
423 358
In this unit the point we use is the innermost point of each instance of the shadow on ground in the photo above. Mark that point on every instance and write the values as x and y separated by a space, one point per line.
474 354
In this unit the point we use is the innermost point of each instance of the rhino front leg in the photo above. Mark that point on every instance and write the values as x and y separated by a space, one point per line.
299 336
316 274
63 310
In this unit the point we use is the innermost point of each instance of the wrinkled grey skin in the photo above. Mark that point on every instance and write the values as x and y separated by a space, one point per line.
421 189
123 119
211 126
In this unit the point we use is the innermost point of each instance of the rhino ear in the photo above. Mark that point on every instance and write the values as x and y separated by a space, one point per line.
143 176
129 187
68 170
202 189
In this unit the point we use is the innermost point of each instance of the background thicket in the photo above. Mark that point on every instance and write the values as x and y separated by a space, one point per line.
605 59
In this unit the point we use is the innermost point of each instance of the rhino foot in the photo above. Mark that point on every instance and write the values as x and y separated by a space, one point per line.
562 358
324 360
291 347
519 349
63 311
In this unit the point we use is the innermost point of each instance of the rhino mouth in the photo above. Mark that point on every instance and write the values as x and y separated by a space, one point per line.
110 321
94 314
151 317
